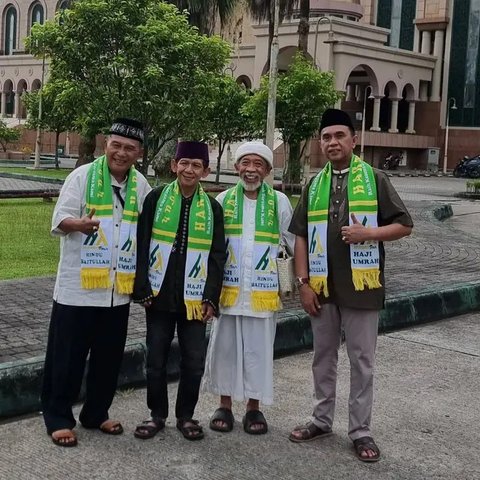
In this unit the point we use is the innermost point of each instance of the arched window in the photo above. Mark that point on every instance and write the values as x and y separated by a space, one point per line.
10 29
37 14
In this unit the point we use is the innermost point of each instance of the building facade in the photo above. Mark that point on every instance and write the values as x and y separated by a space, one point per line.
407 66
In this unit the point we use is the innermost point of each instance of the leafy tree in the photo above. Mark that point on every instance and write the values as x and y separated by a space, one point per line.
8 135
58 113
137 58
303 94
226 120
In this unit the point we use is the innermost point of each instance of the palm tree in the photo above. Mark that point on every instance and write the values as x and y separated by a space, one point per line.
203 13
262 10
303 26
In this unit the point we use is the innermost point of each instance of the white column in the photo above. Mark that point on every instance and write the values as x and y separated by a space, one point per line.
426 42
4 105
338 103
394 116
411 118
16 109
416 39
360 93
437 71
67 143
376 115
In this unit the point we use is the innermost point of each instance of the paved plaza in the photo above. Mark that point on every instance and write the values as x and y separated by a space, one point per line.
437 254
425 421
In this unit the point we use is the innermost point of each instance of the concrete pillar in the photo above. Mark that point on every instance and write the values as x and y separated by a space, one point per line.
4 105
423 92
437 71
376 115
16 108
411 118
338 103
394 116
67 143
426 42
360 93
416 39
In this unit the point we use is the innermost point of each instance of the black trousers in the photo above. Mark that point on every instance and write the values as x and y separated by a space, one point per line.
191 339
74 333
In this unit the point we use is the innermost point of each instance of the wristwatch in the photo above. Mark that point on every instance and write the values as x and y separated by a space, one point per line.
299 281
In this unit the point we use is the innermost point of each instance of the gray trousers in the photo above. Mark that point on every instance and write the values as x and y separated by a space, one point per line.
360 328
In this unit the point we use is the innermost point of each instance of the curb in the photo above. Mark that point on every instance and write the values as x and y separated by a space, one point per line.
33 178
20 382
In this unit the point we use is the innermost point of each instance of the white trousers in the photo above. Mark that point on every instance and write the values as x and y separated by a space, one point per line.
240 358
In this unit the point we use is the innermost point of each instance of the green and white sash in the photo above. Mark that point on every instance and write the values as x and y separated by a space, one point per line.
200 234
96 251
362 201
264 291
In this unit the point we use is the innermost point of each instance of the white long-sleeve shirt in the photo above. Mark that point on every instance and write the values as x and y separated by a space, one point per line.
243 305
72 204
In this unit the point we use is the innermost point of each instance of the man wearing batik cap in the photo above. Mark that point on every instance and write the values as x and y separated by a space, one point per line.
181 254
341 221
240 352
96 218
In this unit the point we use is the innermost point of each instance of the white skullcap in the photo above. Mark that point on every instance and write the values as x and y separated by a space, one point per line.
254 148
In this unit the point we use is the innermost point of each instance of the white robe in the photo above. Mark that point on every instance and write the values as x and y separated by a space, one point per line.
240 352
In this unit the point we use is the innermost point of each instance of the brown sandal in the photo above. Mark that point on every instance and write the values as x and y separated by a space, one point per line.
149 428
190 432
308 432
114 429
67 439
363 444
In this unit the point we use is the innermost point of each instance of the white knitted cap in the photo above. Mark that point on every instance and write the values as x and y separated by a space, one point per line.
254 148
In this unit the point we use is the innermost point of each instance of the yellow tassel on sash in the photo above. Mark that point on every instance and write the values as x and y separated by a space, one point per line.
124 283
194 309
229 296
95 278
265 301
369 278
319 284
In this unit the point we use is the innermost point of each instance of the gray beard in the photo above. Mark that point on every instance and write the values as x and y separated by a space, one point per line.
250 187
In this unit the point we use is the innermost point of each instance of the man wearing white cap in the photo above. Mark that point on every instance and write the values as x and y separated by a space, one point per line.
240 353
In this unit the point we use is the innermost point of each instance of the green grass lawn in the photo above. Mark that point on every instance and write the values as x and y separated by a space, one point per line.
27 248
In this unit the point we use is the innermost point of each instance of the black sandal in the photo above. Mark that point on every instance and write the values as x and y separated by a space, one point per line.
254 417
190 432
308 432
362 445
149 428
224 415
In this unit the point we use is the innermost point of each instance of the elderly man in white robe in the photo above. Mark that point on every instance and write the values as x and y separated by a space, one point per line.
240 353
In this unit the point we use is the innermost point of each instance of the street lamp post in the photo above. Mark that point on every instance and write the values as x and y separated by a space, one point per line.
330 36
362 144
453 106
272 85
38 140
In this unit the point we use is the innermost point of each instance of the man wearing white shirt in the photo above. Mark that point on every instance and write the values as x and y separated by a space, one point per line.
240 353
93 285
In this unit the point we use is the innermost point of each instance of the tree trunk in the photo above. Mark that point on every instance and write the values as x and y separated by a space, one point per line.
86 150
294 167
57 137
219 158
304 26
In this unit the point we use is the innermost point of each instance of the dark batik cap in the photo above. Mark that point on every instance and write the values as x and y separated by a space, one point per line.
333 116
128 128
192 150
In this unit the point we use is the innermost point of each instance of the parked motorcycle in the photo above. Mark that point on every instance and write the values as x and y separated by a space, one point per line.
468 167
392 161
